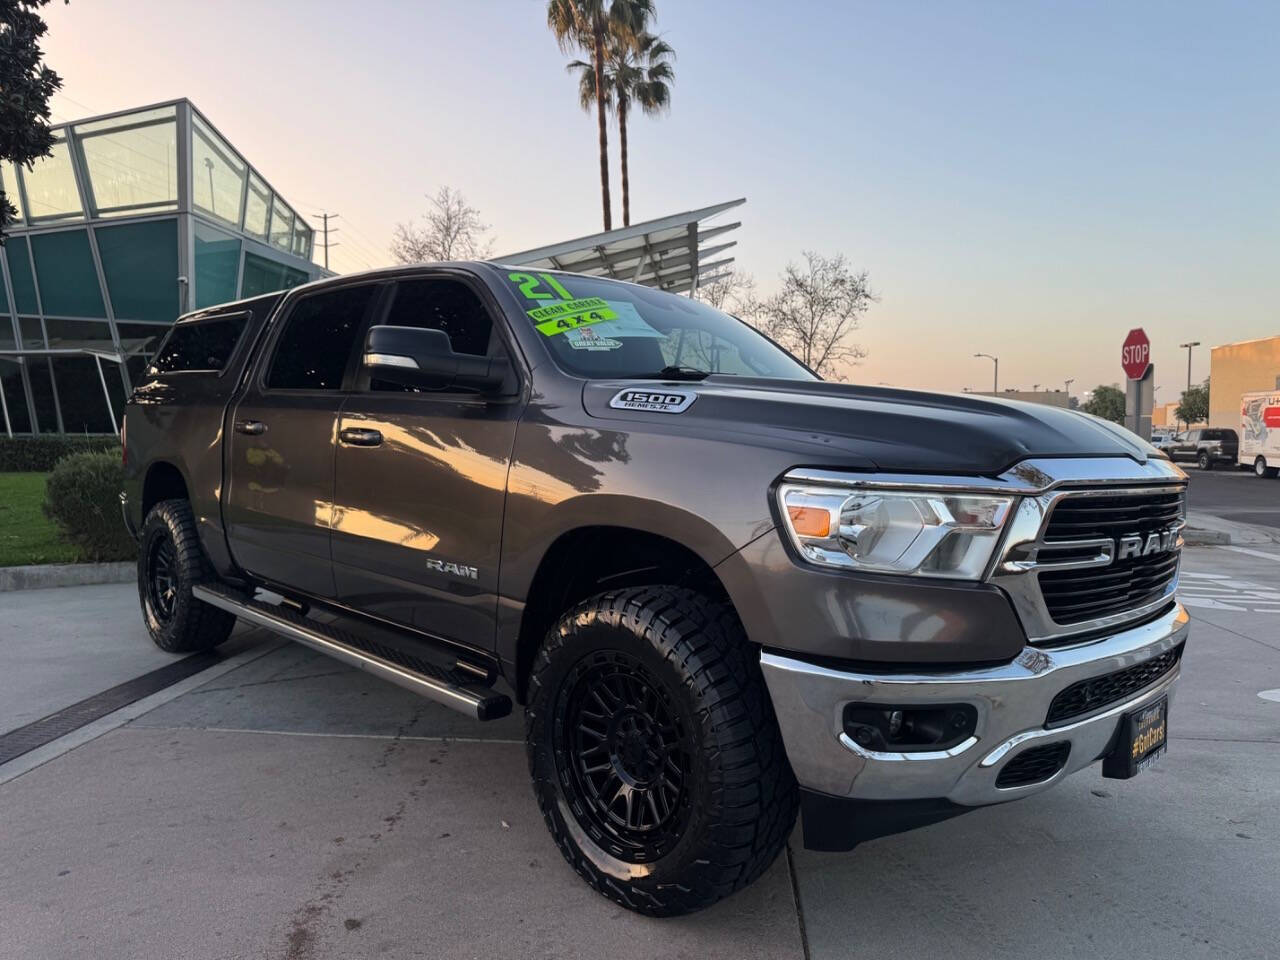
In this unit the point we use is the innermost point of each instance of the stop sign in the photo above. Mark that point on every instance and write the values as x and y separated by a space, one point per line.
1135 355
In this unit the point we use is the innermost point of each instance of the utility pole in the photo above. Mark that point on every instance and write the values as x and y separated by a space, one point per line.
325 218
995 381
1068 384
1187 347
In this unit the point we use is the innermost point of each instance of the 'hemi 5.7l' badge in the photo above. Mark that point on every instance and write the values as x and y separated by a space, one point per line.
654 401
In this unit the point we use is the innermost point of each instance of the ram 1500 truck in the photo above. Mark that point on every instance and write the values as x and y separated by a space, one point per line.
722 589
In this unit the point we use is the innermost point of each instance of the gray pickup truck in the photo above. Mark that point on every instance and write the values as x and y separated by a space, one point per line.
722 589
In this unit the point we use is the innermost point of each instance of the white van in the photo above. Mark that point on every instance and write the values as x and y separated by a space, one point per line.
1260 432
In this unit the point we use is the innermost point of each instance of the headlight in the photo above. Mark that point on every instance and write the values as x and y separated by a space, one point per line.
927 533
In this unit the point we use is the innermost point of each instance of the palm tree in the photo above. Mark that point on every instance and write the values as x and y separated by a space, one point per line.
637 70
584 24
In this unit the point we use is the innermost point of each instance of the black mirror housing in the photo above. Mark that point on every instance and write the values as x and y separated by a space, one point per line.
417 357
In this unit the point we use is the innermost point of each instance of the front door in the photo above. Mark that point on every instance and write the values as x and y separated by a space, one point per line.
282 437
421 480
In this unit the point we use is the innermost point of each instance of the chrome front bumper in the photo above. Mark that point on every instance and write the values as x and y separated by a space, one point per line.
1012 701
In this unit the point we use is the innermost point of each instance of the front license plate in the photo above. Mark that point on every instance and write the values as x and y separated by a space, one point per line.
1142 741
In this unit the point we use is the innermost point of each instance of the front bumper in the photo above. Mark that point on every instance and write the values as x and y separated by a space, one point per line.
1012 701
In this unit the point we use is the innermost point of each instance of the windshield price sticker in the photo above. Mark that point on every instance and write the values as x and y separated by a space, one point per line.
567 307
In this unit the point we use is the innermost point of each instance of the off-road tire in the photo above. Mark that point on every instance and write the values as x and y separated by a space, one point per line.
741 795
178 622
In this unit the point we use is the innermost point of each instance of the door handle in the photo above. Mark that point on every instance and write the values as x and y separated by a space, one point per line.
359 437
254 428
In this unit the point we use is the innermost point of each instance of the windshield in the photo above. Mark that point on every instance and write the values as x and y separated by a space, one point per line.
599 328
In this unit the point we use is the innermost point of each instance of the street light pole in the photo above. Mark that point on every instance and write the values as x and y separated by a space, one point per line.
1068 384
1187 347
995 377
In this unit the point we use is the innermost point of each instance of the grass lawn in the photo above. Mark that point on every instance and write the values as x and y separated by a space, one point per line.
26 534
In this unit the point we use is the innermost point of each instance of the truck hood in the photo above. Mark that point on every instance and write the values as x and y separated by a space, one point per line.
875 428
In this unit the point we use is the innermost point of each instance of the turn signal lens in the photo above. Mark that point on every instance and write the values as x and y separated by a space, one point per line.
810 521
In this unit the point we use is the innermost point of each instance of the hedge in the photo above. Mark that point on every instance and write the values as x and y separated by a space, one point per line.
82 496
38 454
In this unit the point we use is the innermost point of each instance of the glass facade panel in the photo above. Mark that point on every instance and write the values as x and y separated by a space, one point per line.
302 240
217 174
140 262
257 208
84 409
51 186
132 168
266 276
78 334
42 393
140 339
9 183
64 271
14 396
8 334
32 333
217 263
24 285
281 224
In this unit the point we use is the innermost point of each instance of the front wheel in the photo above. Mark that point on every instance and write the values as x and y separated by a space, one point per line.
655 755
1260 468
170 562
1205 462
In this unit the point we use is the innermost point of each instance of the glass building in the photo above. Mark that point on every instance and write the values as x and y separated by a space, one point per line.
135 218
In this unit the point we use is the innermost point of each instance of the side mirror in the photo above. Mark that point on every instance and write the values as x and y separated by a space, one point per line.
415 357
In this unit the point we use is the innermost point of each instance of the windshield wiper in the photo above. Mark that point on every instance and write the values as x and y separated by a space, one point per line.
682 373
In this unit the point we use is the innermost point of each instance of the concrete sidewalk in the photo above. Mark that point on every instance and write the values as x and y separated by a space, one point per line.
294 808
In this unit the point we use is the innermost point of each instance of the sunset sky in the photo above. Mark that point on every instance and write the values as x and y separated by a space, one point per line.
1025 179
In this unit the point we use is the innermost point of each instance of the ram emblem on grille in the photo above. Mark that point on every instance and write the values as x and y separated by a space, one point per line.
1140 545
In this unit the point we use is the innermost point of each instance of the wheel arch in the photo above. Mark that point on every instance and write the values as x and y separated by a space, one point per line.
586 560
163 481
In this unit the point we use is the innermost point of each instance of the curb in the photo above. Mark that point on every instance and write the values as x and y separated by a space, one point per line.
1205 538
40 576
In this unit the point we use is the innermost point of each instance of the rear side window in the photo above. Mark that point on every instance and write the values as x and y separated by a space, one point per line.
204 345
318 338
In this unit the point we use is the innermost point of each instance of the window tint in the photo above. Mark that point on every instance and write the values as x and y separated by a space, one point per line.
446 305
319 335
203 345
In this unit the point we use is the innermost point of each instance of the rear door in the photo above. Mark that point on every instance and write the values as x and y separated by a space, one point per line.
421 478
279 502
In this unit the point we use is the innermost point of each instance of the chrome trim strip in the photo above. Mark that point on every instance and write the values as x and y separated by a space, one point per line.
893 757
1027 478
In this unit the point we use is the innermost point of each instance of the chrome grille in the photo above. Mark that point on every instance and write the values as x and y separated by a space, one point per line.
1080 526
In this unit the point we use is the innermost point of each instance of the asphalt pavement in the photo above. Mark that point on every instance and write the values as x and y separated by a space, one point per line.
1235 495
279 805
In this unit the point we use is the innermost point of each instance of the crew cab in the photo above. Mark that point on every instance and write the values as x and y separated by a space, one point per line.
1208 447
722 589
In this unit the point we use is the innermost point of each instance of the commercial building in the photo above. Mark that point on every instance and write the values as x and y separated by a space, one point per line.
135 218
1239 368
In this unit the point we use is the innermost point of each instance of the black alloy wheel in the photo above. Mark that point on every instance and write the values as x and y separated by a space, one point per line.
162 578
626 753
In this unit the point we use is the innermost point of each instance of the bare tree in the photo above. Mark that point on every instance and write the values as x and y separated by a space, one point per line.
733 292
451 230
820 304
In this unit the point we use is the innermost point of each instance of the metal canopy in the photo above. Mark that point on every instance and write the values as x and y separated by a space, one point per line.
670 253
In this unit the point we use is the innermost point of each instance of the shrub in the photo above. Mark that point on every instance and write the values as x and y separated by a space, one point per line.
38 454
82 497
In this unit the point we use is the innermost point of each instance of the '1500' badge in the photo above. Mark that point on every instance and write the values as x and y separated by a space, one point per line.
654 401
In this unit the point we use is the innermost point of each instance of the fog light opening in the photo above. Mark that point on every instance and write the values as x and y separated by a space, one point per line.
892 728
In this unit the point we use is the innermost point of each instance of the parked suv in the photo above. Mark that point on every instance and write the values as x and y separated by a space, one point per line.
1208 447
722 589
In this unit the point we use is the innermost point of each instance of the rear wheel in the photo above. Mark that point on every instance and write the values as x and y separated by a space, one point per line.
655 755
1206 462
1260 468
170 563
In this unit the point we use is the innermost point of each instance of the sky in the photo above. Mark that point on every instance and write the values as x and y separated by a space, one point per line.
1026 179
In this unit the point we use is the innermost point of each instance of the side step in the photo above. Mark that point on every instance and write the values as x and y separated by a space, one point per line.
456 688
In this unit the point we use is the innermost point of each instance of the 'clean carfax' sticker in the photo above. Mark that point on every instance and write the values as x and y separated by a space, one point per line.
654 401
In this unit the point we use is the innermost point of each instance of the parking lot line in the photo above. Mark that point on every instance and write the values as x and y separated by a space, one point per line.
1253 553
